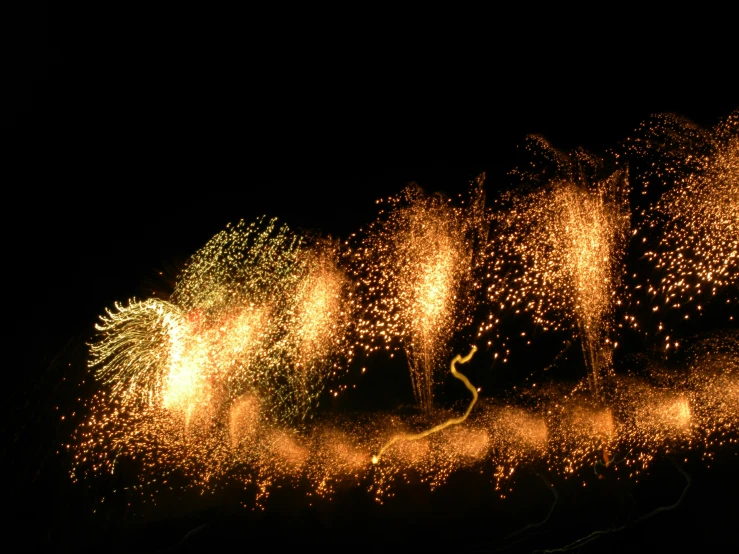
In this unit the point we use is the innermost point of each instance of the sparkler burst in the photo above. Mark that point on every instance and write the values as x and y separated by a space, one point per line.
697 252
416 270
219 383
560 250
132 334
258 311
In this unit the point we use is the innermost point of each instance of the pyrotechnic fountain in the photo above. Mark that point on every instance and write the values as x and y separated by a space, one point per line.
566 241
218 382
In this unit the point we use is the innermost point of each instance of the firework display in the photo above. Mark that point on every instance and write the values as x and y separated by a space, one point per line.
223 381
696 253
560 251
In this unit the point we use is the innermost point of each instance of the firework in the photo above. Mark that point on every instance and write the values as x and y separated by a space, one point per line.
696 221
559 249
518 437
416 273
218 383
251 332
315 342
133 356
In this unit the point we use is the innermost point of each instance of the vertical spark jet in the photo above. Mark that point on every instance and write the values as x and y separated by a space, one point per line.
560 250
416 274
429 251
589 233
318 326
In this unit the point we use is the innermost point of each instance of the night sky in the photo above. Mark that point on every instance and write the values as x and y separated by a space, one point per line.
136 138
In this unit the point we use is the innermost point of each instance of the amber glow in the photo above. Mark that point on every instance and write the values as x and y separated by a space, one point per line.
245 373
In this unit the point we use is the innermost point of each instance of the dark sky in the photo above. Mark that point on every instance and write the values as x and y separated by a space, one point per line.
136 136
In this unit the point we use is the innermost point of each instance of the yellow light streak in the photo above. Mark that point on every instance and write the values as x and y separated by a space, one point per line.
453 421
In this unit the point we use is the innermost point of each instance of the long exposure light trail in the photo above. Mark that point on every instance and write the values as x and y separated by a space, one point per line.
234 377
436 428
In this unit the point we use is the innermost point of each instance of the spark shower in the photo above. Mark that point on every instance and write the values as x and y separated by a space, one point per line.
223 380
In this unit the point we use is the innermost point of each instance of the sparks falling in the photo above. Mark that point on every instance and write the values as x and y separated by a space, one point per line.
415 267
220 382
696 220
566 241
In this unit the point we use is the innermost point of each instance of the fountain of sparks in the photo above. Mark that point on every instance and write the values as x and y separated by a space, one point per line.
560 251
415 268
217 383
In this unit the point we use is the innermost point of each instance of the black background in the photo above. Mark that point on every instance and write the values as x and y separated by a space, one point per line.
137 134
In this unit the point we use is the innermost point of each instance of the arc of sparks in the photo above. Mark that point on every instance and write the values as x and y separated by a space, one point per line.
449 422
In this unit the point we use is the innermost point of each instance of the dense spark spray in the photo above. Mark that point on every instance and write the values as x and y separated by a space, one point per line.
215 384
134 355
697 410
696 221
713 389
318 328
416 270
559 256
257 311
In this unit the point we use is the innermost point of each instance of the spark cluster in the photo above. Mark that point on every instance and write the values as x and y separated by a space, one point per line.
563 430
415 269
559 255
257 311
696 254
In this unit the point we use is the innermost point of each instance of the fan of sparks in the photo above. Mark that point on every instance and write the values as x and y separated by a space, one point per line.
220 382
696 255
257 312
